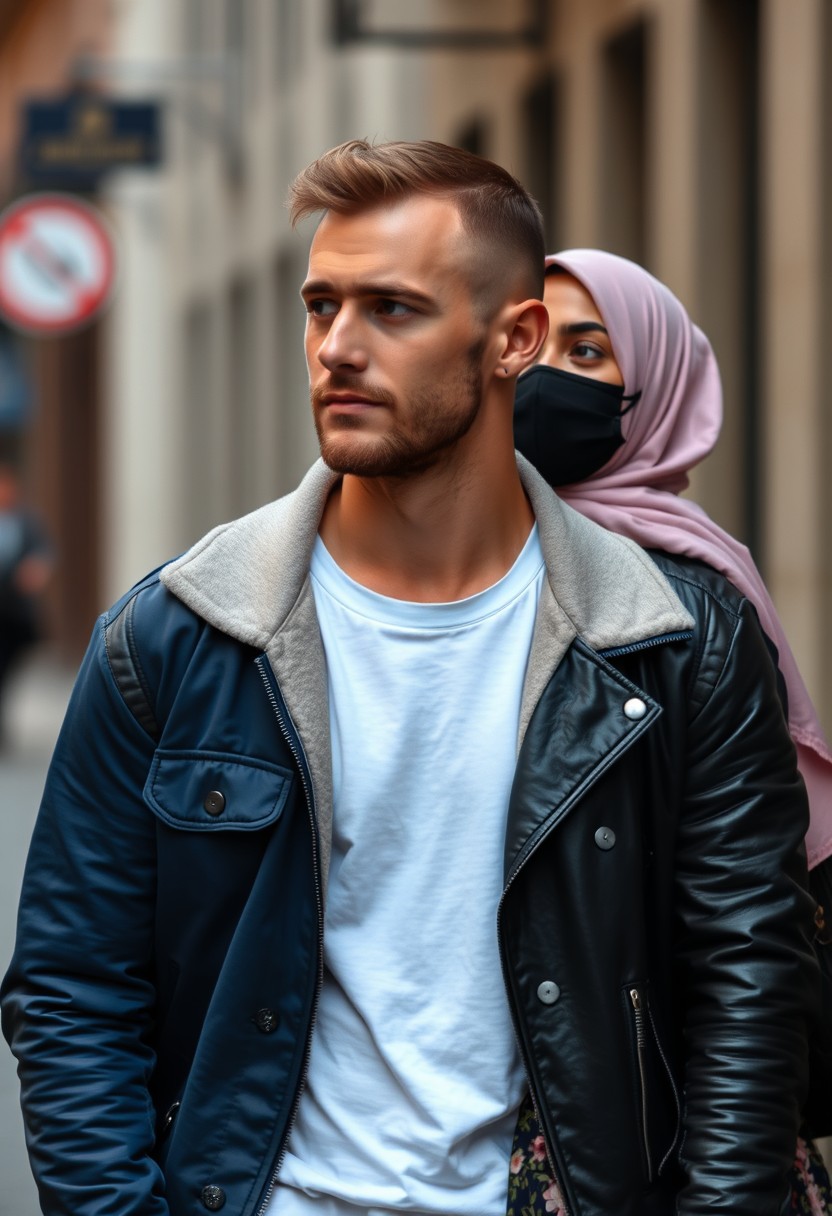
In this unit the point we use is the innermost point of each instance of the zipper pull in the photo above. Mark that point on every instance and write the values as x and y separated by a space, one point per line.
635 997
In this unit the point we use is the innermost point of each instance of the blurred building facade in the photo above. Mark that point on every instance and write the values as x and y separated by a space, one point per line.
50 403
691 135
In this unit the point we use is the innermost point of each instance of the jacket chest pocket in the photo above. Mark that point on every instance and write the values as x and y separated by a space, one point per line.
215 791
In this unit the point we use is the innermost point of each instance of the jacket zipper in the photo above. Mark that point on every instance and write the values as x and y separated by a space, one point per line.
674 1091
638 1013
615 652
296 748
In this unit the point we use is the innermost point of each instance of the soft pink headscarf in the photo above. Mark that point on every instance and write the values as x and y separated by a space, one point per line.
675 425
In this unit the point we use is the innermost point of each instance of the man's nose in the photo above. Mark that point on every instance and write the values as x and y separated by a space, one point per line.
344 346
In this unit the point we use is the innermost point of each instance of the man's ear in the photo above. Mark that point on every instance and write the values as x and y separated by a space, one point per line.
522 333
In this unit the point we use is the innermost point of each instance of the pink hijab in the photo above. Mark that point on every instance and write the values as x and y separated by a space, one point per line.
675 425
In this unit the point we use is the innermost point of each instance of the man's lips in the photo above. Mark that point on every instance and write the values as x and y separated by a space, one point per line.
349 401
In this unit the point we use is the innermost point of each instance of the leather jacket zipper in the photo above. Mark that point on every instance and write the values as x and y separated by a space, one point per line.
298 755
673 1090
682 635
641 1043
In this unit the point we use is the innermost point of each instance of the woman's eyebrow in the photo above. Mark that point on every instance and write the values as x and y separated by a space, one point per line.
582 327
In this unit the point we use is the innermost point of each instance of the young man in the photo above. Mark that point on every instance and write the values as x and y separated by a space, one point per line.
413 845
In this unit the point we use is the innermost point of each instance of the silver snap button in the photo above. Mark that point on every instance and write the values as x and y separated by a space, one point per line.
634 709
548 992
605 838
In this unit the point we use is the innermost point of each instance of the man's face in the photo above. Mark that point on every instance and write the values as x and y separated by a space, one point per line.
393 345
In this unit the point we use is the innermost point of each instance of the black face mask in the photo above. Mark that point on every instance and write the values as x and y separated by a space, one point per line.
568 426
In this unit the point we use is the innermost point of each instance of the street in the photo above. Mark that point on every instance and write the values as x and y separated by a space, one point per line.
36 703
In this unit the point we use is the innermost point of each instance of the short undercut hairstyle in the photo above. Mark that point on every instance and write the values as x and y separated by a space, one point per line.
500 216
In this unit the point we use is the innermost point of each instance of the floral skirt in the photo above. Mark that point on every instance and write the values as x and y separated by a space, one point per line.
532 1191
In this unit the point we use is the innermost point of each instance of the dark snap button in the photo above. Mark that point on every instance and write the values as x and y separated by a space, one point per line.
265 1020
605 838
213 1198
214 802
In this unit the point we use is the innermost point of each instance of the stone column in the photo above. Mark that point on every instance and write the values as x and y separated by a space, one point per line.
794 328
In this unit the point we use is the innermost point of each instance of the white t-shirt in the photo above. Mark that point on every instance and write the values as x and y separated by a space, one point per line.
414 1076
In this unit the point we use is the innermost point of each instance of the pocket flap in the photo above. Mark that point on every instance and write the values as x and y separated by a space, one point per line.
215 791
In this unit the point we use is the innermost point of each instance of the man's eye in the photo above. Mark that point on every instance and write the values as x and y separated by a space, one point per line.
394 308
321 308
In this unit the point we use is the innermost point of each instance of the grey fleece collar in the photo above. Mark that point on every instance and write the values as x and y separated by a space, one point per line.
244 577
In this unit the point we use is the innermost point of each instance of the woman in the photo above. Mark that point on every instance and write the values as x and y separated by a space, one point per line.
625 401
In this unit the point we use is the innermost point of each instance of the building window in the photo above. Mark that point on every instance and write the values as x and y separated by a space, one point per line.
543 154
624 144
241 406
205 497
195 33
241 44
288 30
729 240
473 137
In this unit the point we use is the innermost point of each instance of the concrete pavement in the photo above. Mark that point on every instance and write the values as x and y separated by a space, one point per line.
36 702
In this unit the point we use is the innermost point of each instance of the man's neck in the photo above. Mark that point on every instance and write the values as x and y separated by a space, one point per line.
438 536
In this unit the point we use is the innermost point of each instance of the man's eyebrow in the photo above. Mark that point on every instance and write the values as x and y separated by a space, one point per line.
583 327
390 290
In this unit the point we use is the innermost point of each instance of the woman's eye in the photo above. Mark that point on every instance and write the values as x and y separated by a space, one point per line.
588 350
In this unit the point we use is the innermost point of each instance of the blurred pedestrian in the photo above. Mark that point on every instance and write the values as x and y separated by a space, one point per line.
25 570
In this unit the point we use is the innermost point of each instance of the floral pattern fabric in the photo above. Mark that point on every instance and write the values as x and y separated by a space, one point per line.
811 1188
533 1192
531 1189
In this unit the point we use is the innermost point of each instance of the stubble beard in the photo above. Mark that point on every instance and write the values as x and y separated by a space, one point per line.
436 422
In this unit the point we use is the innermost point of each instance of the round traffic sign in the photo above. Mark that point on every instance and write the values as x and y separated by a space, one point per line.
57 264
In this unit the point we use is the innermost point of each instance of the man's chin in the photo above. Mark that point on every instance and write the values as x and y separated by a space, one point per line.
370 460
354 467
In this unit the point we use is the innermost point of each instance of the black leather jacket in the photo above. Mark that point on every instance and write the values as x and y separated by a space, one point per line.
662 895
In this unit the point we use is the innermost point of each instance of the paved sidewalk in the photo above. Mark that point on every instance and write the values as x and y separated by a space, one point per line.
34 711
36 702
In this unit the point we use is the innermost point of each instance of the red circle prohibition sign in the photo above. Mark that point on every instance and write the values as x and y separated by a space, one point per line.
57 264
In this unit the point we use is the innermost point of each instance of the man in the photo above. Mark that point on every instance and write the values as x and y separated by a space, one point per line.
413 845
